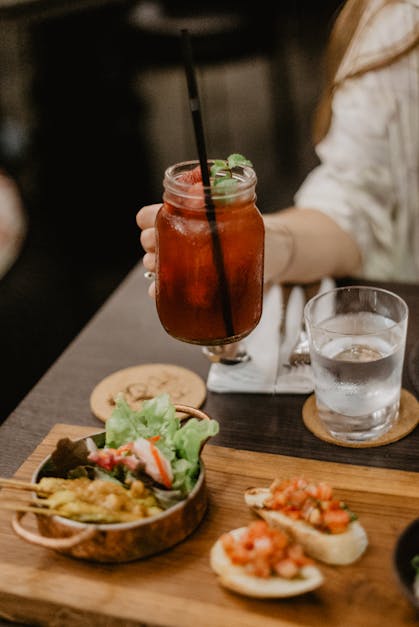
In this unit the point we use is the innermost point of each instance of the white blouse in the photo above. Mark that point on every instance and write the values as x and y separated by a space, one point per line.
368 177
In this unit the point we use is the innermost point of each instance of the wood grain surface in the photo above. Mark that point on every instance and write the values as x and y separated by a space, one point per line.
178 588
126 332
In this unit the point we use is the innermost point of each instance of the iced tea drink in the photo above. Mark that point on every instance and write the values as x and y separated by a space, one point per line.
209 260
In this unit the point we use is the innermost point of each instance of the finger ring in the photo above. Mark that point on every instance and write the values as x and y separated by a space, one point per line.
150 275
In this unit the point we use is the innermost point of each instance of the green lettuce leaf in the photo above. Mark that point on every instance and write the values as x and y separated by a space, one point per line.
191 435
179 443
157 417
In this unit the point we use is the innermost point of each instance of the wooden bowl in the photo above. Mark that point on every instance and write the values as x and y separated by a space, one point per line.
120 542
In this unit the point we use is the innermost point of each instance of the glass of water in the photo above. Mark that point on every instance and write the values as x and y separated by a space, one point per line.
357 341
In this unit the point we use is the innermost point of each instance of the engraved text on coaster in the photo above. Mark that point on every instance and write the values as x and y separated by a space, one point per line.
146 381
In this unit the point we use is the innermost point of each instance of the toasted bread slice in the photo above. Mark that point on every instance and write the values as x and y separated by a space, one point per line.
339 549
237 579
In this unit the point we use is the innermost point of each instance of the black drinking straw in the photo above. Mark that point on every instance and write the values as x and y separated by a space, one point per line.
209 204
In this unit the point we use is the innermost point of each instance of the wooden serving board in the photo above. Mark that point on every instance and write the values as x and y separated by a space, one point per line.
178 588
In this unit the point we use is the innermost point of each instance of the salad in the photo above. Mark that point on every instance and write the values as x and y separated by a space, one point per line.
149 461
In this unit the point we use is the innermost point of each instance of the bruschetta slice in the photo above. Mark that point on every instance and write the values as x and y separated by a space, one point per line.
324 526
262 562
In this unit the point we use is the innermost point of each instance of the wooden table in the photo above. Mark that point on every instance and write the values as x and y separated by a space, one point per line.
127 332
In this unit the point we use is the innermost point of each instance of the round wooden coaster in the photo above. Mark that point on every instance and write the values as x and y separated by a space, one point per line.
140 383
408 419
413 367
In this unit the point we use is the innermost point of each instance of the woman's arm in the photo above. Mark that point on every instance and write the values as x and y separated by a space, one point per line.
367 179
304 245
300 245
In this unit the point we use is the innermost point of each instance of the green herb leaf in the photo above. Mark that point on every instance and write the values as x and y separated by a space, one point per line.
222 173
217 166
352 515
238 160
226 185
415 563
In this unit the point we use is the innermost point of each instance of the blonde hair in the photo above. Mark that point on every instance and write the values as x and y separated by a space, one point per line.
342 33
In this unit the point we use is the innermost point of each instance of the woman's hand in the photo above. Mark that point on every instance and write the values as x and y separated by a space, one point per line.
146 218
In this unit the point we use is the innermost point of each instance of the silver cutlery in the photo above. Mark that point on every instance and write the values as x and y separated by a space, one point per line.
300 353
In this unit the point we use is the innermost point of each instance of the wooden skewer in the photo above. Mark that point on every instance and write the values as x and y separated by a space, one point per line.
21 485
18 507
15 483
41 501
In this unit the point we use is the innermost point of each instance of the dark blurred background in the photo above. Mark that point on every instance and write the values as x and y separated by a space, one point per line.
93 107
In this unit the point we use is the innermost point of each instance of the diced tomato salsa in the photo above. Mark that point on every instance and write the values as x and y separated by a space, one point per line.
314 503
264 551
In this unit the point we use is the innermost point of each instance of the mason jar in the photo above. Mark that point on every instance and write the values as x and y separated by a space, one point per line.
209 255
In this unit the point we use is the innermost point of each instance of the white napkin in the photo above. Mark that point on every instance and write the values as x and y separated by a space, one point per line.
265 372
296 380
258 374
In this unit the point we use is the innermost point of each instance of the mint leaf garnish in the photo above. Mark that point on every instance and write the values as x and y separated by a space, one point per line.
221 171
225 184
218 166
236 159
